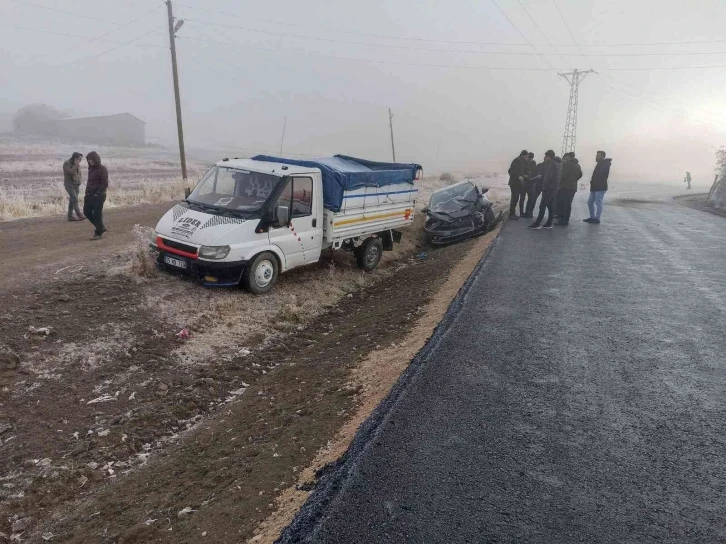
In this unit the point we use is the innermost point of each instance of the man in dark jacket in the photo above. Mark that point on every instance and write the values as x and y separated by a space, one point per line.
550 184
540 170
598 186
517 176
95 193
571 174
72 184
528 187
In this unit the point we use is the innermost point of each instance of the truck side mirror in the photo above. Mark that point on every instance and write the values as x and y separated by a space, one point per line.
187 192
283 216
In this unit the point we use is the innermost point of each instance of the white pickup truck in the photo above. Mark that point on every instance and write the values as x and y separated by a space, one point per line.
248 220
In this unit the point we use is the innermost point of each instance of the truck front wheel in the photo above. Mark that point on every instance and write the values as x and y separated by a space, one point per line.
261 274
369 254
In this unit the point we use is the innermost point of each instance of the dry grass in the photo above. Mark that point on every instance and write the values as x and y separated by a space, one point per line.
224 321
142 261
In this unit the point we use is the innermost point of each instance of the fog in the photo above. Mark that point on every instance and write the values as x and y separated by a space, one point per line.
458 105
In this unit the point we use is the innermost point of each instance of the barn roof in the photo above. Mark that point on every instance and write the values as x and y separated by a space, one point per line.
99 117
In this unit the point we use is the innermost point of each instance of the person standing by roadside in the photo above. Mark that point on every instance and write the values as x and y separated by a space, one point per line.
571 174
687 179
550 184
540 170
72 184
517 176
95 193
528 187
598 187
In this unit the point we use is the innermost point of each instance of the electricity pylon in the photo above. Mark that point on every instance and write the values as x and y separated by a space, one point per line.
574 78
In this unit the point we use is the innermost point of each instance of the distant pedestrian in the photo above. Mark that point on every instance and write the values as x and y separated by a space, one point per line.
72 184
517 176
550 184
687 179
95 193
598 187
528 189
571 174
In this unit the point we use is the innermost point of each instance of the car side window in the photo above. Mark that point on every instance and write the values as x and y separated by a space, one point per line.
302 197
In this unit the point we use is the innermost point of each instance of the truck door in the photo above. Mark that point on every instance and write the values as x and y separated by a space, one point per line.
285 236
307 220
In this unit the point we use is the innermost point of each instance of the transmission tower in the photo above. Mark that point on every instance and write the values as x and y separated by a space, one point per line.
574 78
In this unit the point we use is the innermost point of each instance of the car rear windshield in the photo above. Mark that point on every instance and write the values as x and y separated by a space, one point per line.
234 189
466 191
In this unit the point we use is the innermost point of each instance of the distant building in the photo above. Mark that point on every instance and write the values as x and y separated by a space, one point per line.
121 128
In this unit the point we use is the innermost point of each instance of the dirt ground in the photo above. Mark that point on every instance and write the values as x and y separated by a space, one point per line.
698 202
114 430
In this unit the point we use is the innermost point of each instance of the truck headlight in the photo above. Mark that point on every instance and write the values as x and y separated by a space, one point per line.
153 239
213 252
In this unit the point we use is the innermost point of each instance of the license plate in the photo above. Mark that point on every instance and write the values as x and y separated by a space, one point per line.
179 263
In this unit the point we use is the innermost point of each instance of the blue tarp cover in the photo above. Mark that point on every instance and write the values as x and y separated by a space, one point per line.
342 173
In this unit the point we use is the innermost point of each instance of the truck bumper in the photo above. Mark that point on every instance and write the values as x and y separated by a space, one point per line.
216 274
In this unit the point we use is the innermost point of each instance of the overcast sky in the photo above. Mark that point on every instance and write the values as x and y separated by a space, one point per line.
468 87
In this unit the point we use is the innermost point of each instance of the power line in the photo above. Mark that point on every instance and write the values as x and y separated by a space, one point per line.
431 65
72 13
568 29
102 36
434 50
522 34
96 55
433 40
16 27
658 106
540 30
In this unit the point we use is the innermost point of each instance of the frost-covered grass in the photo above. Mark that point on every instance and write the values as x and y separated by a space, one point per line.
31 176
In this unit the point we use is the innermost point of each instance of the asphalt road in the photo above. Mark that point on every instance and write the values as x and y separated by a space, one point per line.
579 395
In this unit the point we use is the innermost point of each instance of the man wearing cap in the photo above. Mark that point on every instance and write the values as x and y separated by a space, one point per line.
517 176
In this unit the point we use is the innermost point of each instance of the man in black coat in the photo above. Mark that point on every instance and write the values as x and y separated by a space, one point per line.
571 174
517 177
550 184
598 187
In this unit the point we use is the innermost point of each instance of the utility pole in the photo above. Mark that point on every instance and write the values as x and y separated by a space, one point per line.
390 123
574 78
175 73
282 140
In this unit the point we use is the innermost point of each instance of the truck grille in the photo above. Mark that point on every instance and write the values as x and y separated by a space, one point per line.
180 246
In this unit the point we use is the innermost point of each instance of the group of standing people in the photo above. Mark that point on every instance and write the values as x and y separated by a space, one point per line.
555 179
95 195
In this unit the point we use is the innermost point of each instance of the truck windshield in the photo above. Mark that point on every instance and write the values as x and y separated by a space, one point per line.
233 189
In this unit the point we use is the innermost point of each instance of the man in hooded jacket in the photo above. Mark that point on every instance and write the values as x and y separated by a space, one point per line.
550 184
571 174
96 187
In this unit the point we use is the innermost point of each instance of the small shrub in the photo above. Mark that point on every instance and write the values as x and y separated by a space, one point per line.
447 177
142 261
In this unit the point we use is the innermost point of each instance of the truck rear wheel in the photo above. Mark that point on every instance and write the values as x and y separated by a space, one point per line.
261 274
369 254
